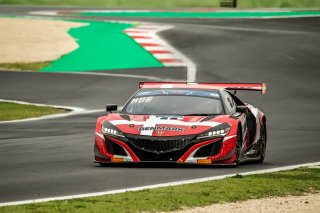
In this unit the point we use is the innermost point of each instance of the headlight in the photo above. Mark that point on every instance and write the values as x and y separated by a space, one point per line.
108 129
216 132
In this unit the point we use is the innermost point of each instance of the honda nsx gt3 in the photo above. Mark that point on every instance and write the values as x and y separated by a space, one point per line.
197 123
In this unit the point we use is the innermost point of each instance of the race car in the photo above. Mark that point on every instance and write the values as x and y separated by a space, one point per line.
184 123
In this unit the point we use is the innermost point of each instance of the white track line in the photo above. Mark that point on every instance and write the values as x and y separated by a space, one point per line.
247 29
73 111
174 64
176 183
113 11
44 13
154 78
126 76
76 109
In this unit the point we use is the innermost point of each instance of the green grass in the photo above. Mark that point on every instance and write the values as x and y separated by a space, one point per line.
13 111
104 46
158 4
278 4
36 66
239 188
217 15
168 4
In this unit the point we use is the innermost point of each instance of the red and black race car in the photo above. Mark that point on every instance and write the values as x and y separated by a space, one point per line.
199 123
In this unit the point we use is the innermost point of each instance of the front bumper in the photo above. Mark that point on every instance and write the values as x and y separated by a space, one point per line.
218 151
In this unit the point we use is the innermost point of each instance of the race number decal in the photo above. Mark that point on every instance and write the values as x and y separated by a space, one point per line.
141 100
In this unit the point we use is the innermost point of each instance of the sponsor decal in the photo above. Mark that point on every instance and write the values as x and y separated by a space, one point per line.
162 117
162 128
160 133
117 160
204 161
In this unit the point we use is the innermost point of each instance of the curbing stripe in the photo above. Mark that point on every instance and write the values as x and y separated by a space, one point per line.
145 40
146 35
148 44
177 64
165 56
154 52
141 37
176 183
136 34
169 60
155 48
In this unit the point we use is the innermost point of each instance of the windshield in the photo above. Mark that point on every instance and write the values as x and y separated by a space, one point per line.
174 102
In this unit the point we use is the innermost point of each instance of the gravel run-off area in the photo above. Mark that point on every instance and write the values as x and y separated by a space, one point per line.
292 204
34 40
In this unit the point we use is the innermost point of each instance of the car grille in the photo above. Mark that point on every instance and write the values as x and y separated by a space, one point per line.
160 144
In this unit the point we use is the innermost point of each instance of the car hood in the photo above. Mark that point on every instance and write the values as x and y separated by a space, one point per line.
163 126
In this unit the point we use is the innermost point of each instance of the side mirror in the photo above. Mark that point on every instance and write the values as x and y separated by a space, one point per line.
241 109
111 107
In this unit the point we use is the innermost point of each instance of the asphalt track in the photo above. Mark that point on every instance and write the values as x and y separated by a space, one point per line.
54 157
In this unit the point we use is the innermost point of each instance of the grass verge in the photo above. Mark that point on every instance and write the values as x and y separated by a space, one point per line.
154 4
238 188
218 14
36 66
13 111
278 4
104 46
167 4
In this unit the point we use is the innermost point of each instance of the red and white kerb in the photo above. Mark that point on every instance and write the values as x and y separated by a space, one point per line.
145 34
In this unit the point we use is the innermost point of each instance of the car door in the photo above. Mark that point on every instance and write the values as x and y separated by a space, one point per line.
230 103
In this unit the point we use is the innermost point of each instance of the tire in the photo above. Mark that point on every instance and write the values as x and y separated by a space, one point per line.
262 143
103 164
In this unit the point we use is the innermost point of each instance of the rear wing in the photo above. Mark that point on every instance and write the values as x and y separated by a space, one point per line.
207 85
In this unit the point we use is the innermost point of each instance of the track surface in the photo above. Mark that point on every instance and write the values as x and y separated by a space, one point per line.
54 157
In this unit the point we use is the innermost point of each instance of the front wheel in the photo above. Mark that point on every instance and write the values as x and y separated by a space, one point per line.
262 143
